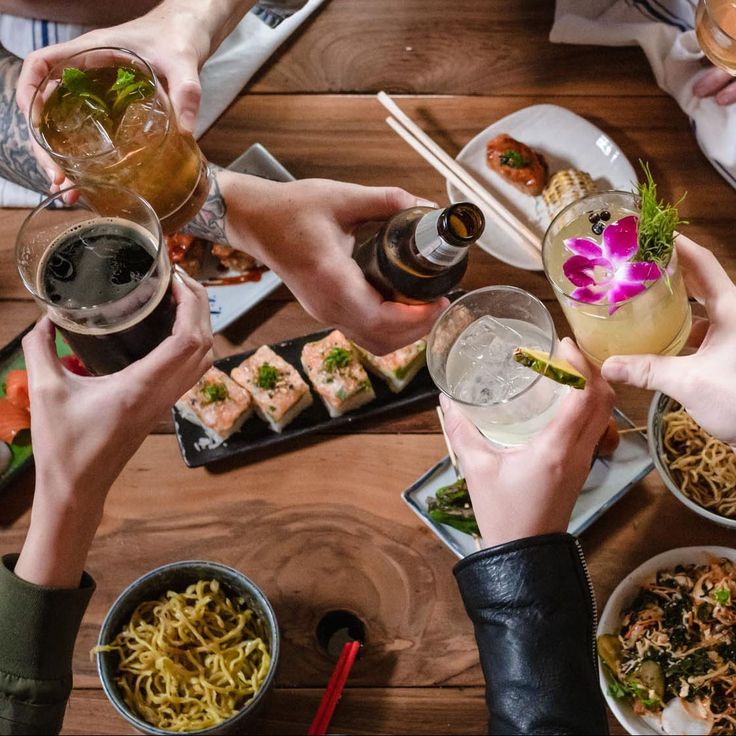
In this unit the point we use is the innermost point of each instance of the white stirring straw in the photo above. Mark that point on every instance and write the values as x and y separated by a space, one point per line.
450 452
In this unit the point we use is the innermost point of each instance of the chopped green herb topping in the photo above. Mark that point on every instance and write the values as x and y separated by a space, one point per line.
268 376
214 392
513 159
722 596
658 221
337 358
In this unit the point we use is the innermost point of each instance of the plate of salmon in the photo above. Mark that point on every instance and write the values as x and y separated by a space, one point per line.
534 162
278 393
16 453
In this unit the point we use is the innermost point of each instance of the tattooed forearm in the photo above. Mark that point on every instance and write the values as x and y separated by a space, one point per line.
17 162
210 221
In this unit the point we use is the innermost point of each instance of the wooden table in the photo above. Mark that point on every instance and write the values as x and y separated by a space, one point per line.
321 526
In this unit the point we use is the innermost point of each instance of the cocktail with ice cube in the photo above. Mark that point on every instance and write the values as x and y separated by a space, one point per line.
470 358
105 119
619 296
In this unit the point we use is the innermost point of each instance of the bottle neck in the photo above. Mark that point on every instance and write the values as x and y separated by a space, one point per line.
432 246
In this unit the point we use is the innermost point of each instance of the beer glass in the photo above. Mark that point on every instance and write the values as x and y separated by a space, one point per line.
102 275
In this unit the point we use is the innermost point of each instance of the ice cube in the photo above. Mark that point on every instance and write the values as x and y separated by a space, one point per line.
83 130
141 125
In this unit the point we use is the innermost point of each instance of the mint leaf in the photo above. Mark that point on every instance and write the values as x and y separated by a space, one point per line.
74 80
125 77
136 90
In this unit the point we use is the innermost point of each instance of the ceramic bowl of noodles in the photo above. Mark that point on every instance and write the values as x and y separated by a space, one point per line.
190 647
699 470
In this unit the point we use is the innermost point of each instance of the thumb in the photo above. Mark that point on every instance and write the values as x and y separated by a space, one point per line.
465 439
185 92
652 372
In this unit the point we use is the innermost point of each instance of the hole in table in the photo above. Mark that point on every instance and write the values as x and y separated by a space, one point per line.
336 628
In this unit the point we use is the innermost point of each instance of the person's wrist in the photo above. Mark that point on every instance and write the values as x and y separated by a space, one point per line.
60 534
245 200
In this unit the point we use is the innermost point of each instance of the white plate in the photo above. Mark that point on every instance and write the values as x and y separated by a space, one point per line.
567 141
228 303
609 481
625 592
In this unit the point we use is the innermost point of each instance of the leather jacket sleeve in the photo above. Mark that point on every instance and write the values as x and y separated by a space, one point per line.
534 615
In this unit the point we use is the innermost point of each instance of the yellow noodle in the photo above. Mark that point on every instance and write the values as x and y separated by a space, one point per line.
191 660
703 467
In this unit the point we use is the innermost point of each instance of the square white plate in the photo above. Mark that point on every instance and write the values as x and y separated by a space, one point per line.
227 303
567 141
609 481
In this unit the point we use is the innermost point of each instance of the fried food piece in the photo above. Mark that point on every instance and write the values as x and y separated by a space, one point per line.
520 165
187 252
565 187
232 258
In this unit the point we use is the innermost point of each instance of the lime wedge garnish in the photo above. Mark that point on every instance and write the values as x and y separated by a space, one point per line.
556 369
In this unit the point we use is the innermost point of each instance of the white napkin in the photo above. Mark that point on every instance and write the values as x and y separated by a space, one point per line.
223 76
664 30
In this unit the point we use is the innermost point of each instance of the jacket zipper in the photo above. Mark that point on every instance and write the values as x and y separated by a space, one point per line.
593 603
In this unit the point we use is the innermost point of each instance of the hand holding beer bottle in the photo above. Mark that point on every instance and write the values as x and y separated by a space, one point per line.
305 232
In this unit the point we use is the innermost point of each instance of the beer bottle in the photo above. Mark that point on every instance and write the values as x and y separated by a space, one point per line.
421 253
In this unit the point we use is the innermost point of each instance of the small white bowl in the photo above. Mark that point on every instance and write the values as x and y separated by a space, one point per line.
610 620
660 405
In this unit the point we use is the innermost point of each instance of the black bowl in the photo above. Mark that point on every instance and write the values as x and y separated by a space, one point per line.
178 576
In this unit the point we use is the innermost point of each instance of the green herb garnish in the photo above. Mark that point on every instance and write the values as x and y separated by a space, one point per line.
124 78
722 596
513 159
127 89
213 392
268 376
77 84
658 221
337 358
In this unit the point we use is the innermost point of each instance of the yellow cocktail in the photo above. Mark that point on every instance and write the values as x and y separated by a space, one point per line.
615 302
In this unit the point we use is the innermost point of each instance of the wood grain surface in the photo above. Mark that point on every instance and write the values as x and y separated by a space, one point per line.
319 533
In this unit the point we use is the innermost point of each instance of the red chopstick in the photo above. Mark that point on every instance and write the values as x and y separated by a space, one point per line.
334 689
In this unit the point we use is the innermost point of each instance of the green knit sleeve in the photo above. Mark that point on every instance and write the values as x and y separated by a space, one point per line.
38 628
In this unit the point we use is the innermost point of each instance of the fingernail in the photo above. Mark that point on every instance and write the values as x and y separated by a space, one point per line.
426 203
567 341
51 174
444 402
615 370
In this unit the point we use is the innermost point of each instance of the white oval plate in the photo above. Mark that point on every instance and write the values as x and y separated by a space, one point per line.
625 592
567 141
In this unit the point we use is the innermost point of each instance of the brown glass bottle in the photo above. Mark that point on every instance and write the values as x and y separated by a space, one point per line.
421 253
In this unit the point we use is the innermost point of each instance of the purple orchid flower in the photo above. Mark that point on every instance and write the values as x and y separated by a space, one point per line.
605 273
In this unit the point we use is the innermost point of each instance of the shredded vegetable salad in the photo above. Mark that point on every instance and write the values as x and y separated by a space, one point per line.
677 642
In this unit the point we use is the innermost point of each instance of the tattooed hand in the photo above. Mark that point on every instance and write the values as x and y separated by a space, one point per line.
304 230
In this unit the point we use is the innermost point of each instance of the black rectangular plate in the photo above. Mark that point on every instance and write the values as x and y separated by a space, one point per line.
256 435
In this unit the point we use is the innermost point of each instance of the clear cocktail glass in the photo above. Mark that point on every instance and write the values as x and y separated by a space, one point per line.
614 305
470 358
102 276
105 118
